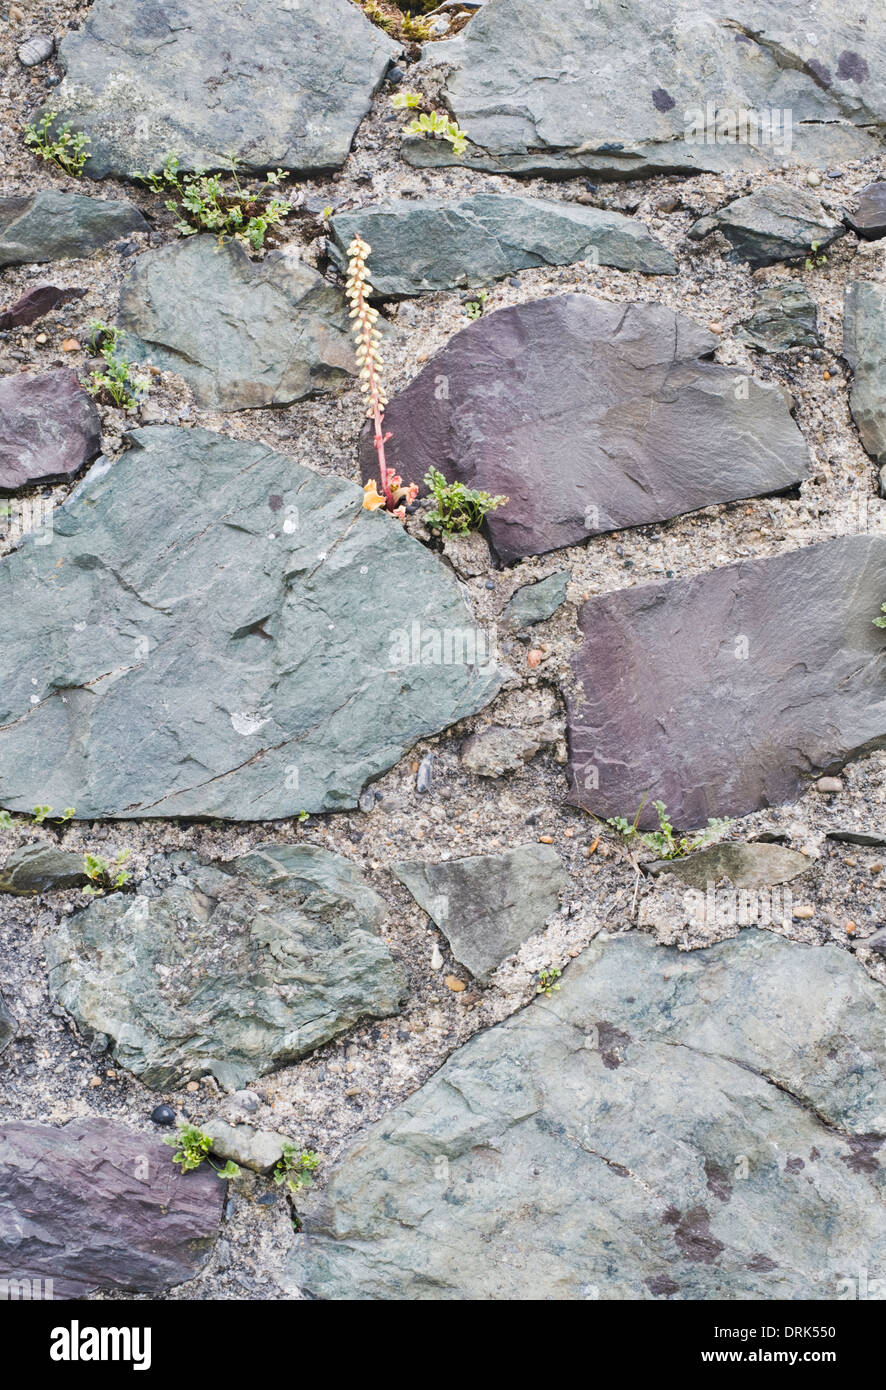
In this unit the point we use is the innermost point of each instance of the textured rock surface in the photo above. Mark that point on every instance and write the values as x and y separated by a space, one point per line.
39 868
283 85
498 749
230 969
487 905
777 223
784 316
249 585
438 244
668 1125
94 1205
7 1025
33 305
249 1147
723 693
52 226
533 603
864 347
744 865
51 429
613 89
589 417
869 219
243 333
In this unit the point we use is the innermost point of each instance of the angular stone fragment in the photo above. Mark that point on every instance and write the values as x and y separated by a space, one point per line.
487 905
51 429
534 603
744 865
7 1025
498 749
244 654
589 417
633 89
669 1124
271 85
229 969
864 347
33 305
243 333
784 316
40 868
94 1205
869 219
257 1149
723 693
52 226
777 223
443 244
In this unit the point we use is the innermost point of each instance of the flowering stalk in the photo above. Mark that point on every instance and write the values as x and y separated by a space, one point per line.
367 337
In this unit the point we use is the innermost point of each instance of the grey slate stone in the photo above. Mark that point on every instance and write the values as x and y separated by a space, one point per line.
244 334
487 905
39 868
784 316
51 428
273 85
441 244
589 417
610 89
869 219
498 749
8 1029
243 656
52 226
699 1126
94 1205
724 693
534 603
745 865
864 347
258 1149
230 969
777 223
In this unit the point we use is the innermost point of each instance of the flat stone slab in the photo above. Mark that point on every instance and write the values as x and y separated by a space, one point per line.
614 91
94 1205
258 1149
230 969
35 304
499 749
241 666
869 218
535 603
589 417
8 1029
487 905
864 347
242 333
40 868
777 223
51 428
727 692
744 865
52 226
668 1125
784 316
274 86
444 244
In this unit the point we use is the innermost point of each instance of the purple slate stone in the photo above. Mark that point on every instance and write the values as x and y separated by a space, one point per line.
51 429
590 417
869 221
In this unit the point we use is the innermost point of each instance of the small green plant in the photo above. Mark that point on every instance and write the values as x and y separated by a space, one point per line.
546 982
118 383
474 307
192 1148
815 260
664 842
62 147
295 1170
105 876
881 621
457 509
204 204
436 125
6 821
40 814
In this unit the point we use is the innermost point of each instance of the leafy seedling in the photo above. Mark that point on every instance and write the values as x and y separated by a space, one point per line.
62 147
192 1148
105 876
295 1170
664 842
457 509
